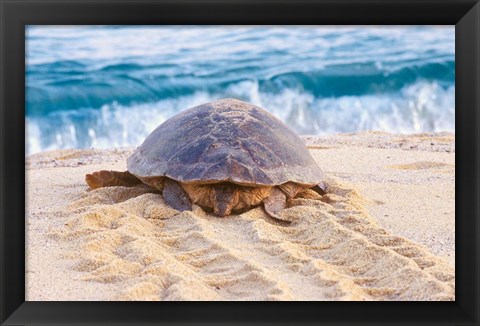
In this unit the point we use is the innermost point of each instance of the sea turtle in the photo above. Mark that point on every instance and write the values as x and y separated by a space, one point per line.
224 156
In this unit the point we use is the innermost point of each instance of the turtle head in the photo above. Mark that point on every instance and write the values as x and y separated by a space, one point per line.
224 197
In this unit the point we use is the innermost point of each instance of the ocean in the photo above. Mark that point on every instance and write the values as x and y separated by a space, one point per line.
110 86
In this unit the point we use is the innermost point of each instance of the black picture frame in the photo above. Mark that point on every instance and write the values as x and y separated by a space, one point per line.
16 14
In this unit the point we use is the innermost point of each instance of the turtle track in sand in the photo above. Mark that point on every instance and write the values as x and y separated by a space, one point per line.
331 251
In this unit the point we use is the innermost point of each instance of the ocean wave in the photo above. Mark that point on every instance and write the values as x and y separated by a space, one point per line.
128 84
104 86
419 107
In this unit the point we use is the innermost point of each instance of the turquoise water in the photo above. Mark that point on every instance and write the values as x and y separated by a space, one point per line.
110 86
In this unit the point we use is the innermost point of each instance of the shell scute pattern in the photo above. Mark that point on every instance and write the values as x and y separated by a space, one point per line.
225 140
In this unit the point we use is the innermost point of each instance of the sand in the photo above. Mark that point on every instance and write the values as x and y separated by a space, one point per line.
384 231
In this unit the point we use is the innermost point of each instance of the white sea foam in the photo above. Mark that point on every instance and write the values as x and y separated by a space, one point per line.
421 107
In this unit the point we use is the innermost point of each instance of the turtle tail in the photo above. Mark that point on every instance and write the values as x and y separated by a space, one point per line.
106 178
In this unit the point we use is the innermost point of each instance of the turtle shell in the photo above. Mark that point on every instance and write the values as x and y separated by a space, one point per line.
225 140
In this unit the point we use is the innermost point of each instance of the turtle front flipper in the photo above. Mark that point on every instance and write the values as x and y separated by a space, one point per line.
275 202
106 178
175 196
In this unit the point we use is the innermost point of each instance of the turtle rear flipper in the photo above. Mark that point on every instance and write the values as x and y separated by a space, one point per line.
106 178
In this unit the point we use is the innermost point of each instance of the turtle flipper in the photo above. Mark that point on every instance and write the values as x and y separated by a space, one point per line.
275 202
106 178
175 196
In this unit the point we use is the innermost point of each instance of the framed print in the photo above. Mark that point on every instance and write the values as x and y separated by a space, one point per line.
230 155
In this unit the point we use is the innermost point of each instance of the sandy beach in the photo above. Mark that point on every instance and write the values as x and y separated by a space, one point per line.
385 230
